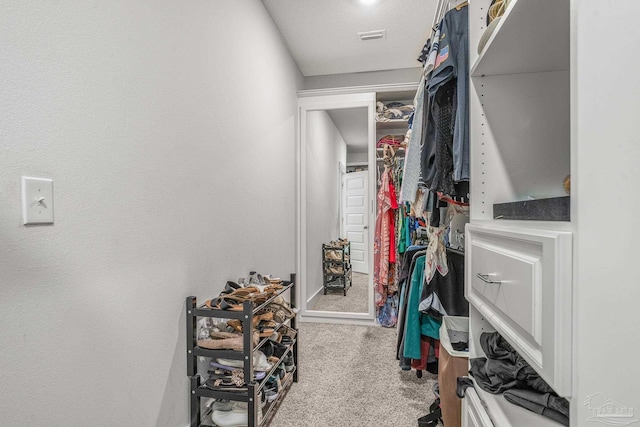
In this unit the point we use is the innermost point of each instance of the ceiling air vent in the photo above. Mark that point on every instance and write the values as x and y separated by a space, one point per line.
372 35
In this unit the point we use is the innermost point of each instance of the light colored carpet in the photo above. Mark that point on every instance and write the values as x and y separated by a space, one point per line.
349 377
354 302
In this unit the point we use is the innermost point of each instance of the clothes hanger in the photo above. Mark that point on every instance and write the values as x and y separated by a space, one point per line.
436 16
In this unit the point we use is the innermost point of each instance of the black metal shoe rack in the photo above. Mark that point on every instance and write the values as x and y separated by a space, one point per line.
198 390
332 280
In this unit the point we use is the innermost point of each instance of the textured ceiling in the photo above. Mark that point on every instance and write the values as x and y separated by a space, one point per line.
321 34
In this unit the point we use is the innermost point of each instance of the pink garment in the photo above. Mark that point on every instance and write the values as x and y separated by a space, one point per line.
381 241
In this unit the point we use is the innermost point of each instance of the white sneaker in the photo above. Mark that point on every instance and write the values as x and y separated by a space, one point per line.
219 405
237 417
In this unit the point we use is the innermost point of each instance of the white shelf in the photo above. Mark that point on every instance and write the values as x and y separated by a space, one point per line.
532 36
399 149
393 124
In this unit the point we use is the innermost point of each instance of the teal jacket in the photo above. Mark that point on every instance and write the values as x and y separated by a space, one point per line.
417 323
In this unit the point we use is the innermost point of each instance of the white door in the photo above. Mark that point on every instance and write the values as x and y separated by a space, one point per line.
355 219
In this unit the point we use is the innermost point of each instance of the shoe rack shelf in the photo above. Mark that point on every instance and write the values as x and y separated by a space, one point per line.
336 267
250 392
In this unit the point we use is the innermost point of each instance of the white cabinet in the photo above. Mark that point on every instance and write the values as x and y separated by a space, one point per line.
473 413
520 280
519 274
553 93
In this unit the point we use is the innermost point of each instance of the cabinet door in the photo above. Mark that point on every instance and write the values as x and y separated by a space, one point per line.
473 413
520 281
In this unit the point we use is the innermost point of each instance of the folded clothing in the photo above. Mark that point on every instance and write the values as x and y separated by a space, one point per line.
505 371
545 404
504 368
392 111
392 140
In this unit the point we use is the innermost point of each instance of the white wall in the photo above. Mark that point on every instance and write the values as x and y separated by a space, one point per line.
325 149
605 162
168 128
357 157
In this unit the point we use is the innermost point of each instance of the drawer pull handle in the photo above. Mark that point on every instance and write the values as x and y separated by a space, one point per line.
485 279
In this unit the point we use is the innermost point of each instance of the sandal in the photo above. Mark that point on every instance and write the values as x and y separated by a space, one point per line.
281 312
231 287
266 328
231 302
226 302
257 318
233 381
288 334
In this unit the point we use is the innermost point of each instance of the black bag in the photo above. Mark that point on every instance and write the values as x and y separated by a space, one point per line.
434 415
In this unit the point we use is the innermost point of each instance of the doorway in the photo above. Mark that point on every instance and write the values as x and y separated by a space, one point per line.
355 220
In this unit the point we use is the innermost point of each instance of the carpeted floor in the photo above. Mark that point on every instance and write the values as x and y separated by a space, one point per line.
349 377
354 302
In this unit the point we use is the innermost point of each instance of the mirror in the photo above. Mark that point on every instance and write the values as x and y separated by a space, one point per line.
335 203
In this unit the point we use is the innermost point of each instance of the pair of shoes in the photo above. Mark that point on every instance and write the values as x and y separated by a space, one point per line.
225 380
260 362
339 242
288 363
272 388
333 255
281 310
226 340
335 270
219 405
257 318
275 349
288 334
237 416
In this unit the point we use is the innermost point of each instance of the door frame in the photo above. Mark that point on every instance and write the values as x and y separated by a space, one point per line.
324 102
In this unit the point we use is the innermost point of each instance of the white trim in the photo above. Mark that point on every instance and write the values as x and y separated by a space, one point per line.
328 101
394 87
335 317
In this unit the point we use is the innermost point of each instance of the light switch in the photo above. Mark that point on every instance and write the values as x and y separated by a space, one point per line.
37 200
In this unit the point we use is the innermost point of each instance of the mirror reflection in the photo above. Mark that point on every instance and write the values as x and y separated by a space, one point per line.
337 221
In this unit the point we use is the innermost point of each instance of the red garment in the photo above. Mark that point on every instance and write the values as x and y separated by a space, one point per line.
425 344
392 223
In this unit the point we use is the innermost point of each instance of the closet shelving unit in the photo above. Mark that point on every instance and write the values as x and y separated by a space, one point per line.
331 279
396 126
250 393
518 277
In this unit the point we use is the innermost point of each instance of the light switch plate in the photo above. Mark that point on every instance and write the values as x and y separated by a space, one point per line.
37 200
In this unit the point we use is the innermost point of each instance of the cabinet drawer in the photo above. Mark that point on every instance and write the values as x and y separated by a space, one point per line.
473 412
520 280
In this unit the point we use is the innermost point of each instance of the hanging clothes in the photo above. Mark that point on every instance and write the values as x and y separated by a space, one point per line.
416 323
411 172
383 236
445 153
